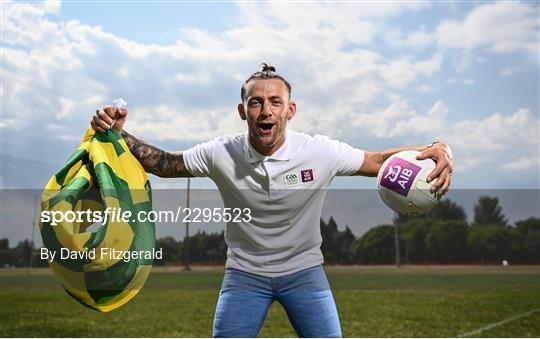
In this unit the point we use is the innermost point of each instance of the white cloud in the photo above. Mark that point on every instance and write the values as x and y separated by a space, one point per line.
69 69
430 66
399 120
67 107
59 72
469 82
520 164
52 6
497 142
401 73
167 122
416 40
419 39
398 73
500 141
503 26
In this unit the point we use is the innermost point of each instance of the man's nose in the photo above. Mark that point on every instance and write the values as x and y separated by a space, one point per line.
267 109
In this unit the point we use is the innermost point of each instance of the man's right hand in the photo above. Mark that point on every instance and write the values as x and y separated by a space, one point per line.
105 116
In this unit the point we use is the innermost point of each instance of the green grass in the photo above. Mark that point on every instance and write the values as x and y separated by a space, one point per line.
372 302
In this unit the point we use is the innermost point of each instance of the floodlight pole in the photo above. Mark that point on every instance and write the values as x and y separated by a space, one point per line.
396 237
34 218
186 239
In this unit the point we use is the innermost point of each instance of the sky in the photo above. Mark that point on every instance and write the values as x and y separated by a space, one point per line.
373 74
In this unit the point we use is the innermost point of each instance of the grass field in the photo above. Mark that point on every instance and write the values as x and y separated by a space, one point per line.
372 302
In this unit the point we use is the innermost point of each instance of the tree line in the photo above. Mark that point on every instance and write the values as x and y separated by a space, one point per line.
442 236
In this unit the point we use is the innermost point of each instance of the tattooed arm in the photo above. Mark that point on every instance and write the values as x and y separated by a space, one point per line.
153 160
156 161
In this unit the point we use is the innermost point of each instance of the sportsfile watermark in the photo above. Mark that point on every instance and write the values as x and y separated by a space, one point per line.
117 214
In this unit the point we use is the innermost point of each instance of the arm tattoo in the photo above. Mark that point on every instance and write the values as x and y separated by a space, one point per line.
156 161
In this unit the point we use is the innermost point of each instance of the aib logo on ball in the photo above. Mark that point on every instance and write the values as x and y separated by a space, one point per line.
399 175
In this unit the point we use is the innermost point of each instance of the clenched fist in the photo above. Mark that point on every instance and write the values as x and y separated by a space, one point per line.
107 117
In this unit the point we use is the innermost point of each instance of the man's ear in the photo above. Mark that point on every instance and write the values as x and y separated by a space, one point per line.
292 110
242 111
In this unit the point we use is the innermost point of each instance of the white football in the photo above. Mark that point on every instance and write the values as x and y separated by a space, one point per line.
402 183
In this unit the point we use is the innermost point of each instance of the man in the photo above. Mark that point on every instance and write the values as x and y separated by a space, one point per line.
281 176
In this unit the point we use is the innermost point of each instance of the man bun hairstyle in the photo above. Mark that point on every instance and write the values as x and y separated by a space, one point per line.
266 72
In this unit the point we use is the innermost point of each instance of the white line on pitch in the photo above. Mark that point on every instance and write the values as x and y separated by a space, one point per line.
502 322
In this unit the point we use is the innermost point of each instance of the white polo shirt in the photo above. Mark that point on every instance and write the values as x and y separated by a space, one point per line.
284 193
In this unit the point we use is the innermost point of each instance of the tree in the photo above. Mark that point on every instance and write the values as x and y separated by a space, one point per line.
491 243
488 212
528 225
526 241
197 253
447 210
446 242
415 229
329 246
171 251
413 234
4 244
376 246
345 240
22 253
216 248
6 255
205 248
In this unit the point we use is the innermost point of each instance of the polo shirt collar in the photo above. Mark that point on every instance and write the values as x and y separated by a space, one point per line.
282 154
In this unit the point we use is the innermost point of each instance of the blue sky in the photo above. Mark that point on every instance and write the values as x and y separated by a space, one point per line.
162 21
374 75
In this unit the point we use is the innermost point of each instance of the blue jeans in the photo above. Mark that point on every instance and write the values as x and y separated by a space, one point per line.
245 298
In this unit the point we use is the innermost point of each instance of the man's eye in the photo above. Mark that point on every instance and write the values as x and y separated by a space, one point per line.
254 103
276 102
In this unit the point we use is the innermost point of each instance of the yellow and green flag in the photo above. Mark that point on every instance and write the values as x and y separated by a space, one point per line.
101 175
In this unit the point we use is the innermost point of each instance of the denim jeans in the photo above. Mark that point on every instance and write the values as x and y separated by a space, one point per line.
245 298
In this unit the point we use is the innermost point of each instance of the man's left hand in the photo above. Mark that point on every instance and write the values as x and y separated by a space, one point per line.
442 155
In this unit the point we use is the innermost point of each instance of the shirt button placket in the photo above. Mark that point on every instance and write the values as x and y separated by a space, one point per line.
268 175
272 187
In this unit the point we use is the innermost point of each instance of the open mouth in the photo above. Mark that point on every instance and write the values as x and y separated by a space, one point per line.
265 128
